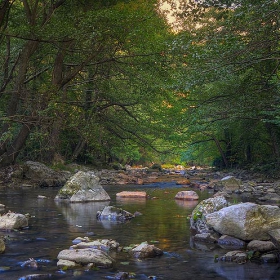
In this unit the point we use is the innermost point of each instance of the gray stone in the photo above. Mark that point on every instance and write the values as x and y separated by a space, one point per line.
246 221
12 220
104 244
275 237
205 238
248 189
270 198
43 175
226 241
67 264
228 184
261 246
269 258
235 256
205 207
83 187
144 250
187 195
112 213
85 256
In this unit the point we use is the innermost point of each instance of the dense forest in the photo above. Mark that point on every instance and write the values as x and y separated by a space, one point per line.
101 81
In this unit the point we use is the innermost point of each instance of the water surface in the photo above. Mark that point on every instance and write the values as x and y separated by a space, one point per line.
164 222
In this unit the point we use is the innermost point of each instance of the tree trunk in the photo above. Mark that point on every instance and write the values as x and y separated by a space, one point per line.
14 149
18 91
78 149
274 136
217 142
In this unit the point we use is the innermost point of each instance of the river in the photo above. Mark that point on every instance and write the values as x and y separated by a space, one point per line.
164 222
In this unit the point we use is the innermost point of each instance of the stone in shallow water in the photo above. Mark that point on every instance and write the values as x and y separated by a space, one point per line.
261 246
187 195
35 276
12 220
101 244
275 237
246 221
144 250
235 256
82 187
131 194
269 258
2 246
226 241
205 207
205 238
112 213
86 256
67 264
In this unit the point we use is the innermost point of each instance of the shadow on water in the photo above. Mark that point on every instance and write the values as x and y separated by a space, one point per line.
164 222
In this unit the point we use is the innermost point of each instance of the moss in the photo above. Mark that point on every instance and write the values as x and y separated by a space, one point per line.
197 214
69 189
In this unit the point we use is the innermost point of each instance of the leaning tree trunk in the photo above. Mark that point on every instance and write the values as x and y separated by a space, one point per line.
217 142
273 131
9 152
14 149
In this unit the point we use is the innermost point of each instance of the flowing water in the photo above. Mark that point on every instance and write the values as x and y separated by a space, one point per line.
164 222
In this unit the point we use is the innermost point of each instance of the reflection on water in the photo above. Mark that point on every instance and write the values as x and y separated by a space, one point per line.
129 200
163 222
190 204
80 214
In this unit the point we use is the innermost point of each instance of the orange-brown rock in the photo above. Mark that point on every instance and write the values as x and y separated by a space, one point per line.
131 194
187 195
183 181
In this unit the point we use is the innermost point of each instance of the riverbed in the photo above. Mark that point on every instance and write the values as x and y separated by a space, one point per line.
163 222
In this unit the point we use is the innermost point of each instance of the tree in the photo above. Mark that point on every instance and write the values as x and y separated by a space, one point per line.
229 63
79 76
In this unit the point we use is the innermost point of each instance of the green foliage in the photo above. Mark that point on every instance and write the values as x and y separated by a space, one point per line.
229 74
93 75
100 81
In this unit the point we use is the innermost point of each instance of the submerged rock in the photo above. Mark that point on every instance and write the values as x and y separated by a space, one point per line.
83 187
226 241
112 213
36 276
120 276
2 246
205 238
30 263
269 258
